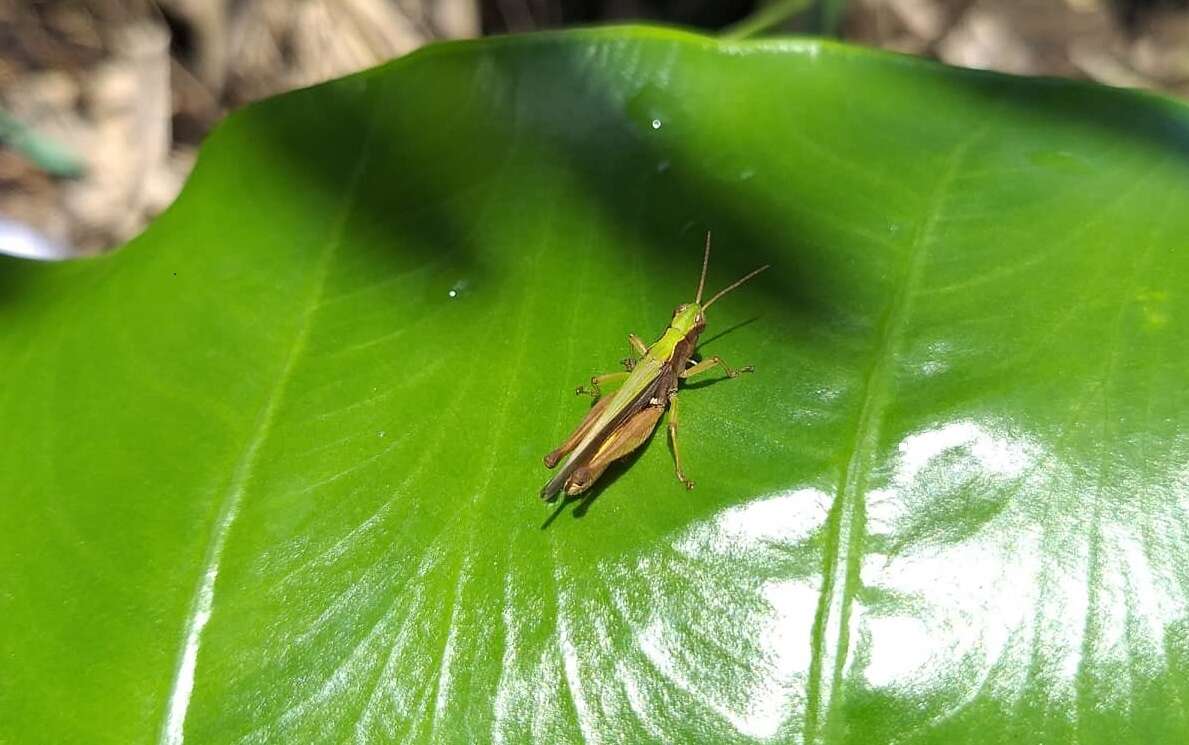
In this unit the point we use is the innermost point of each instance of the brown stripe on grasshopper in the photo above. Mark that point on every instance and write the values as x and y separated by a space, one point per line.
619 423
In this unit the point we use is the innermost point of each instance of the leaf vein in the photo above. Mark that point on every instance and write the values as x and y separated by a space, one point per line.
202 606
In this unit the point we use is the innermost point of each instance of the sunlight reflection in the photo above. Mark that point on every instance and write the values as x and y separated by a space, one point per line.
993 584
770 624
994 454
782 636
967 600
991 570
903 646
786 518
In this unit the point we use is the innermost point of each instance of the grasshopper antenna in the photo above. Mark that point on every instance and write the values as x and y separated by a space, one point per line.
705 263
733 285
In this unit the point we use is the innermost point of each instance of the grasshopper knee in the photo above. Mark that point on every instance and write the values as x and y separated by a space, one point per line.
579 481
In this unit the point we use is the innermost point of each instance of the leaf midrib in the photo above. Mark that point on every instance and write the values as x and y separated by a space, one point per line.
831 634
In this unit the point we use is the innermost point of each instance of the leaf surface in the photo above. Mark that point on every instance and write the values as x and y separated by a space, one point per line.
269 472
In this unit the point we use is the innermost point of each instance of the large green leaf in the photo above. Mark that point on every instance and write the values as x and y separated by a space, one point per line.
269 473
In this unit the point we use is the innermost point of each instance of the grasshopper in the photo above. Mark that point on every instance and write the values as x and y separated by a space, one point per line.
618 424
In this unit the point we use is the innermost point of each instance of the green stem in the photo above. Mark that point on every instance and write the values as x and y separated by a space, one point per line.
50 156
766 18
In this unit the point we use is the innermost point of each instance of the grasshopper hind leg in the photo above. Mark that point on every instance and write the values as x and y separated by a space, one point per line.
588 421
572 441
673 439
630 435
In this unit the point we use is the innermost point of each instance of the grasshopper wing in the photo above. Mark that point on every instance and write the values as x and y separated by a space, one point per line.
636 393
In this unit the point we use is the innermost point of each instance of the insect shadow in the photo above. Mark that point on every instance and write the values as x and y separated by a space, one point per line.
727 330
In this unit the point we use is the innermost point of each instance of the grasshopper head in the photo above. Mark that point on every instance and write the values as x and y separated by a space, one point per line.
686 316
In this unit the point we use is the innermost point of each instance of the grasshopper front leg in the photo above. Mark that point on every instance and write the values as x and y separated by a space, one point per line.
709 364
673 439
638 348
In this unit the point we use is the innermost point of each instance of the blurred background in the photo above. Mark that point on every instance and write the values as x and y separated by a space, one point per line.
103 102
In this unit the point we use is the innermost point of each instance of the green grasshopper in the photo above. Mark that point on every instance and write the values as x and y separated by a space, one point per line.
618 424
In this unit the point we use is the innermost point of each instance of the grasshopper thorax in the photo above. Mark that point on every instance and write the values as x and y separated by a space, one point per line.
687 317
